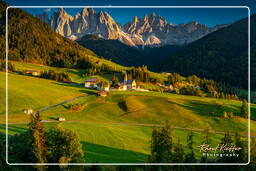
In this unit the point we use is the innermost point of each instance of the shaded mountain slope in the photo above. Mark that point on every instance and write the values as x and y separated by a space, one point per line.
221 55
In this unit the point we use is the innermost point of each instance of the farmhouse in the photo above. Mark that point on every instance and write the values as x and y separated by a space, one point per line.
122 87
105 87
61 119
32 72
170 87
92 83
102 93
28 111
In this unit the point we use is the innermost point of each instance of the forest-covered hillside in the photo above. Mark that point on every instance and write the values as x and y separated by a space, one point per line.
221 56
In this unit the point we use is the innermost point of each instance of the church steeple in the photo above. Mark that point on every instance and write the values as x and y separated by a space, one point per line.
125 78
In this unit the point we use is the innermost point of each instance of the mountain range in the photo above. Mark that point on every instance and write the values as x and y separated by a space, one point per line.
151 30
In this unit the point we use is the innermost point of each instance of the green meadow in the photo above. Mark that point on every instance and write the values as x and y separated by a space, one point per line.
117 128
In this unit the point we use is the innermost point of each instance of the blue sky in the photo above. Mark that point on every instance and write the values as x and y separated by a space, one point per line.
207 16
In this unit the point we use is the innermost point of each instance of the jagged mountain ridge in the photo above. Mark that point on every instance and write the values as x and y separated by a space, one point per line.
150 30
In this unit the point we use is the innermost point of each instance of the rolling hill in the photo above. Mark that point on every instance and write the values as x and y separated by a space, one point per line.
221 56
112 50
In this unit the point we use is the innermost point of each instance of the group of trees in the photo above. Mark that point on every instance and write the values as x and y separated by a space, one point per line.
58 145
11 67
139 74
165 150
191 90
63 77
196 85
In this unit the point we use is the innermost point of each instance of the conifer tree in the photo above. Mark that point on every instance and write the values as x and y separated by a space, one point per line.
227 139
178 156
207 140
190 156
36 131
161 145
242 152
244 109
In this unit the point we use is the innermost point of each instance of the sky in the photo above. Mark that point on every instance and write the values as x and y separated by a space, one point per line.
208 16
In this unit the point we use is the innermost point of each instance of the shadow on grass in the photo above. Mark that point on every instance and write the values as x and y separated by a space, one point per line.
127 113
52 118
68 84
204 108
122 105
90 92
77 72
12 128
95 153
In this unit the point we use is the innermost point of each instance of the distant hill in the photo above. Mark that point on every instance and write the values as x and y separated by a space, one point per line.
126 55
221 56
112 50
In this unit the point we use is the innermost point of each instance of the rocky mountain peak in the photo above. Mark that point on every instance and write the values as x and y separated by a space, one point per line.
149 30
87 12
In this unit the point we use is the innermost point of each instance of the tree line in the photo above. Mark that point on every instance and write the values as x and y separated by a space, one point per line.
196 85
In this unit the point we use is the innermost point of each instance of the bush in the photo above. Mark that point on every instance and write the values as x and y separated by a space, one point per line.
64 77
64 145
190 90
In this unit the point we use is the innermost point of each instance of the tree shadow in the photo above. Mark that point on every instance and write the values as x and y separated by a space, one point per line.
122 105
53 118
12 128
77 72
90 92
204 108
95 153
76 85
131 112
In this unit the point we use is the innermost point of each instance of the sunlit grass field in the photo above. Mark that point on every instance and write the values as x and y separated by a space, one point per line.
107 125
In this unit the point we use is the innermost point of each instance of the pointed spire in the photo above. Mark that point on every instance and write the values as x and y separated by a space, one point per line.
125 78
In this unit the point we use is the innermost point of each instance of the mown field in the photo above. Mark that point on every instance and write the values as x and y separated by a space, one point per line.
115 128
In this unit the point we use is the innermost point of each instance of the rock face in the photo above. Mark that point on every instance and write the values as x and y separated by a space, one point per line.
150 30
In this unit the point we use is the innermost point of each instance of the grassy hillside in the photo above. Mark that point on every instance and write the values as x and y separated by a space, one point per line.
120 119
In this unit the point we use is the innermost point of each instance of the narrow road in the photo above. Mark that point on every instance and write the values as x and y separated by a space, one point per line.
132 124
63 102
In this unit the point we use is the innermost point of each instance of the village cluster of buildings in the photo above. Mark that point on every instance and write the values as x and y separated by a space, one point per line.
125 85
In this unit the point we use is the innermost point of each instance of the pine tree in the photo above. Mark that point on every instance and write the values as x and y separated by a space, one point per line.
178 156
161 145
244 109
227 139
242 152
36 131
252 165
207 140
190 157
